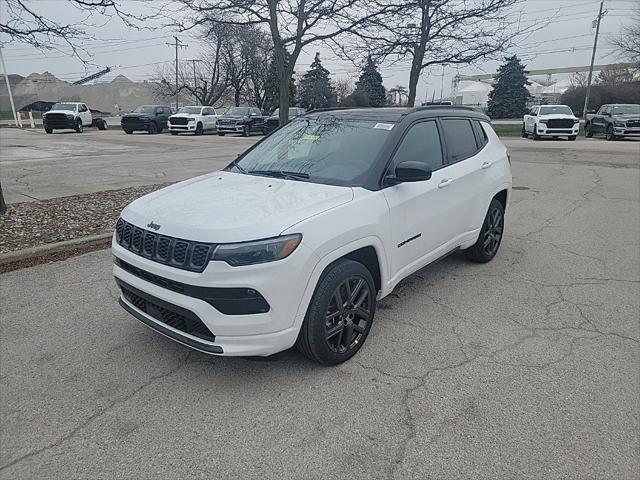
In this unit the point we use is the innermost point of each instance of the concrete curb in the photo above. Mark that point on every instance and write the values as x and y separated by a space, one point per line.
42 250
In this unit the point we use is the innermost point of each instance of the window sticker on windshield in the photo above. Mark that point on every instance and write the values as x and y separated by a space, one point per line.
309 137
383 126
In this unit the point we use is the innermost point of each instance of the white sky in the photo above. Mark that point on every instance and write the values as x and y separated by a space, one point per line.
137 54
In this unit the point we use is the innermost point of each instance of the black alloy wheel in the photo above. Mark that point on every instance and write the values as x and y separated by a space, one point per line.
610 136
493 232
153 129
348 314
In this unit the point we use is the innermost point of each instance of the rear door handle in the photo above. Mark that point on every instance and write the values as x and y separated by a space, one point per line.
485 165
445 183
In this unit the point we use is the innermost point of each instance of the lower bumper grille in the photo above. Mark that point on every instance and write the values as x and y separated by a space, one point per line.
167 313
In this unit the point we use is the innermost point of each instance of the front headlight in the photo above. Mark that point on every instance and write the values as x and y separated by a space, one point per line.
575 120
260 251
544 121
69 115
191 120
617 123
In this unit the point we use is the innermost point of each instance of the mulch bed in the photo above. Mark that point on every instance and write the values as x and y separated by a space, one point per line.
31 224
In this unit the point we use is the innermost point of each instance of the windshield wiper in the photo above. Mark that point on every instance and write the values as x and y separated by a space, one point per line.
280 174
237 165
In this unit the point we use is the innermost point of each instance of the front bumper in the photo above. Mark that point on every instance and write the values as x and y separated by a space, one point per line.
136 126
281 283
626 131
542 130
190 127
239 128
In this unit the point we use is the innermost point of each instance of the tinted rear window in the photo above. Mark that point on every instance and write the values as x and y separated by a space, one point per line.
461 141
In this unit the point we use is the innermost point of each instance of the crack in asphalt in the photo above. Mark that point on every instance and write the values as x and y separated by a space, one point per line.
98 414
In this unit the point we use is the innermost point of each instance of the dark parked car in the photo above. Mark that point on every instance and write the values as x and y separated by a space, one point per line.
615 121
244 120
146 118
273 121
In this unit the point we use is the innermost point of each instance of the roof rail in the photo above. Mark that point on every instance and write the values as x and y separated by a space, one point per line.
443 107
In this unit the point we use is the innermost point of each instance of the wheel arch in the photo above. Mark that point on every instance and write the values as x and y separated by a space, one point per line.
502 196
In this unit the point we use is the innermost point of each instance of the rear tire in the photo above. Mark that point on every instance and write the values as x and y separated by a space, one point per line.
79 127
340 314
588 131
48 130
490 236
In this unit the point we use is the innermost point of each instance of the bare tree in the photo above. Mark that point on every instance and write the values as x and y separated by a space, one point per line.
24 22
627 42
293 25
440 32
343 87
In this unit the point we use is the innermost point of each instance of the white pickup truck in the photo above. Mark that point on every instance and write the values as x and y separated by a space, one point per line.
550 121
71 115
195 119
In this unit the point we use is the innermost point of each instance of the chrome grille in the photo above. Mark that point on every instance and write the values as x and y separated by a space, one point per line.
175 252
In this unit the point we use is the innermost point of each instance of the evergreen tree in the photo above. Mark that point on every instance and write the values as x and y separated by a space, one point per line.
316 90
369 90
272 90
509 96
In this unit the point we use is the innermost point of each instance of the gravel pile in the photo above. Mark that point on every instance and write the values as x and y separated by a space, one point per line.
31 224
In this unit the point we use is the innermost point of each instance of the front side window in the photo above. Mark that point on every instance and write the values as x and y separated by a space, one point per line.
558 109
325 149
421 144
461 141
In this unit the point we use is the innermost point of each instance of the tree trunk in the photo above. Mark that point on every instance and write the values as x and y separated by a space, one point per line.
414 76
3 205
284 76
236 97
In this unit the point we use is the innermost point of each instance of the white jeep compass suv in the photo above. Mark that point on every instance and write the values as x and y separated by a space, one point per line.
294 241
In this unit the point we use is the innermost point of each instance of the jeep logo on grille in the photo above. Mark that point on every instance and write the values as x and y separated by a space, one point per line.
155 226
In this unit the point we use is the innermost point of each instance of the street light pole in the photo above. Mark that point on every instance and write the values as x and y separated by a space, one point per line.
177 44
16 118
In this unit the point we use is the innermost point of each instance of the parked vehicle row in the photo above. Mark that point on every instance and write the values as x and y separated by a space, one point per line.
195 119
614 121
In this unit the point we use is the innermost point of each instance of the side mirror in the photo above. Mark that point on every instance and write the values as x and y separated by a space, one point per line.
412 171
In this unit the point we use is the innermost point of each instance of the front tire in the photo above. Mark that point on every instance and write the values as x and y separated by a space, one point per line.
340 314
490 236
48 130
245 131
128 132
535 135
152 129
221 134
79 127
572 138
198 129
174 133
524 132
610 136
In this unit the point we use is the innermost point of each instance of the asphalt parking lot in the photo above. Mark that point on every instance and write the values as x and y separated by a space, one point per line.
525 367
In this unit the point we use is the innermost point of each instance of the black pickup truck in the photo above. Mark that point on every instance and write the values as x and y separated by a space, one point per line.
273 122
243 120
146 118
615 121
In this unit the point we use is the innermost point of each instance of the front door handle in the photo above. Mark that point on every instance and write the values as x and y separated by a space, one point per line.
485 165
445 183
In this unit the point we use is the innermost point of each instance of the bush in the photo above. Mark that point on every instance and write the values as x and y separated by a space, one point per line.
601 94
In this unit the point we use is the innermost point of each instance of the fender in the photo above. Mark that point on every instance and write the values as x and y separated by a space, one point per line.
324 262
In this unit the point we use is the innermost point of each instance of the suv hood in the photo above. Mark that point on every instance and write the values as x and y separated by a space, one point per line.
186 115
551 116
223 207
234 117
627 116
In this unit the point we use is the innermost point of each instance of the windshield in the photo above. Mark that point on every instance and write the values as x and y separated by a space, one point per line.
626 110
293 112
145 109
241 111
193 110
321 150
558 109
64 106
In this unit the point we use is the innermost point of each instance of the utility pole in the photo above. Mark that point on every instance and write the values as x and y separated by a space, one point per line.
195 79
16 118
593 57
442 84
177 44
